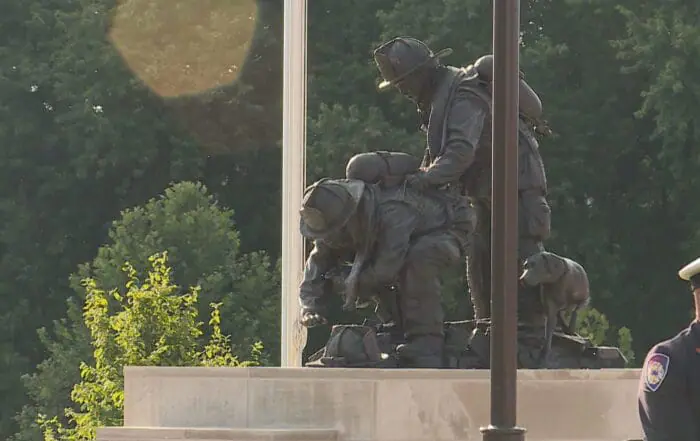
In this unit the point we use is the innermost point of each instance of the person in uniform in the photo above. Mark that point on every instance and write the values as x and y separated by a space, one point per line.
393 235
669 388
454 105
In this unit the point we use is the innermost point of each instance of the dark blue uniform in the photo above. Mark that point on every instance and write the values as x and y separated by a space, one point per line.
669 389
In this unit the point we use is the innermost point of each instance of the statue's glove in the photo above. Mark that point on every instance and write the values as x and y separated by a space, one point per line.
311 318
417 181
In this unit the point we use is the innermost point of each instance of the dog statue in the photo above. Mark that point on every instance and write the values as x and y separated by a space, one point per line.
563 286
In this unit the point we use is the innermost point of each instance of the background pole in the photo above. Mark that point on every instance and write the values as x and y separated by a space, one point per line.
293 335
504 223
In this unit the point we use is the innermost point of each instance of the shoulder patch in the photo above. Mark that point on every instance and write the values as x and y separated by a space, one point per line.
655 370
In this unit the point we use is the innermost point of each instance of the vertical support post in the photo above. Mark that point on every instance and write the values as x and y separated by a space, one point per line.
504 223
293 335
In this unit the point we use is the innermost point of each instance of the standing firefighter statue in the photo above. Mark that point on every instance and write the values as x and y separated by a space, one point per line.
393 235
454 105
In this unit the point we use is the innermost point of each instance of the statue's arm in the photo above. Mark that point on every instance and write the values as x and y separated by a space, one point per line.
465 121
664 408
311 291
397 222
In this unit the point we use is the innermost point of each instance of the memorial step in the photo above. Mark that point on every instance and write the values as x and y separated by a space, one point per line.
213 434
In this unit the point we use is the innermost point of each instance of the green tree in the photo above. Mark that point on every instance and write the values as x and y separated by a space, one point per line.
661 43
151 325
202 243
85 134
595 326
336 133
81 140
48 389
340 70
204 248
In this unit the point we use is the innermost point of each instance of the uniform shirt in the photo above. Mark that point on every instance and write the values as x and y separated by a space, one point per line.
669 389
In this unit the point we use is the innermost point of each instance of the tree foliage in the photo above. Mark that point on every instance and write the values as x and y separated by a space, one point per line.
595 326
202 244
151 325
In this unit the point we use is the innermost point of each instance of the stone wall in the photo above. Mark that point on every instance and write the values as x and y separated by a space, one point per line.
369 404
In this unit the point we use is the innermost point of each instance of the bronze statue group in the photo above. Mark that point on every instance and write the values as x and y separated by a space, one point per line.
385 233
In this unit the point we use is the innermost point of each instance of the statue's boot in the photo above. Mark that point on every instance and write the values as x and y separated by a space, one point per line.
424 351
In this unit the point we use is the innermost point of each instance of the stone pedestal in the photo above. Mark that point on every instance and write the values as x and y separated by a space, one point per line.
296 404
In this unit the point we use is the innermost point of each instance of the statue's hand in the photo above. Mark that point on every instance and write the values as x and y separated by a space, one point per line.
310 318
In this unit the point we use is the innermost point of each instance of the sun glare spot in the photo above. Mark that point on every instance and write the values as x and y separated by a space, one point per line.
182 47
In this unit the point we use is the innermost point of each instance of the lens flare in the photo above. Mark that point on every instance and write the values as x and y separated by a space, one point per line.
183 47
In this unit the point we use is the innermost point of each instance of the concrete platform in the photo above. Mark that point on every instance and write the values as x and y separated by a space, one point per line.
372 405
159 434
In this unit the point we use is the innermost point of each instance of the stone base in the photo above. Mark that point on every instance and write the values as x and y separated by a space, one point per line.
467 346
162 434
370 404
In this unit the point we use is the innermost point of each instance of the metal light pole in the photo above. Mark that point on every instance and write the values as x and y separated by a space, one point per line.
504 224
293 335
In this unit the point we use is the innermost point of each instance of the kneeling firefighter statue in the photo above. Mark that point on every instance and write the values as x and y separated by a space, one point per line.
393 235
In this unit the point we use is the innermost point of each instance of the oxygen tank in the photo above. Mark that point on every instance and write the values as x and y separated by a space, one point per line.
530 103
387 168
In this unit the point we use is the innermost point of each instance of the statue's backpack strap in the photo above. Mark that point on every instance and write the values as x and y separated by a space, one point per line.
399 164
478 86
